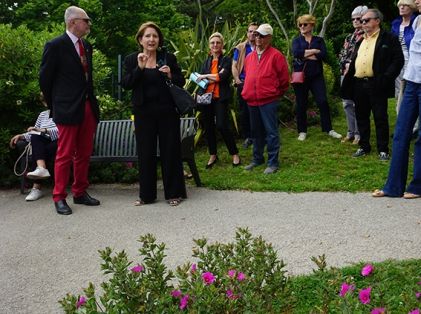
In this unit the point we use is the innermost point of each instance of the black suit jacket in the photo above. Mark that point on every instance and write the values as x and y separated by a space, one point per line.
63 81
387 64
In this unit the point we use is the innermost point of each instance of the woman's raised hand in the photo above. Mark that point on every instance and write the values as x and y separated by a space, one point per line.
141 60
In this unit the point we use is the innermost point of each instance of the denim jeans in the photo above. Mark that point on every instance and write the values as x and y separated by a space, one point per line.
398 172
264 130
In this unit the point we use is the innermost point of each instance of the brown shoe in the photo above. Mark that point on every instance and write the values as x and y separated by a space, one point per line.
347 139
410 196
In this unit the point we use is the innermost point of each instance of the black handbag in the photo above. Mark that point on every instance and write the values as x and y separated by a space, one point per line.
184 102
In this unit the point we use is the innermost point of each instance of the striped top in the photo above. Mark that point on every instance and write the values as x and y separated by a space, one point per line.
44 122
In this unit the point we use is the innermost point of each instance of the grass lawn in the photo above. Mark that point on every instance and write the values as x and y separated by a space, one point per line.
320 163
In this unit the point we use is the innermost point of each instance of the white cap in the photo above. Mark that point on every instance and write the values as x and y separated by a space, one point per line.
265 29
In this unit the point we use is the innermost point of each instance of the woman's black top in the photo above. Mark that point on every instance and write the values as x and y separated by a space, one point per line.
313 67
150 93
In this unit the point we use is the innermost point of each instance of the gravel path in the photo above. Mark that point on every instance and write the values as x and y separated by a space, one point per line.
44 255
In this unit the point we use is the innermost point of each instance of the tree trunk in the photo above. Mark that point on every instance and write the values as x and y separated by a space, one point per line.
327 18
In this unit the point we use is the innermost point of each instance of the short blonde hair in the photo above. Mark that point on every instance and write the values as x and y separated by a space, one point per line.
409 3
217 34
306 18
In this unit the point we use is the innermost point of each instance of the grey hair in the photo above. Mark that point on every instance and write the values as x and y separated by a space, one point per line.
70 13
377 14
360 10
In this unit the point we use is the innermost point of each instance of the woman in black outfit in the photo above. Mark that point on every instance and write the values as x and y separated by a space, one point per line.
309 52
217 69
145 73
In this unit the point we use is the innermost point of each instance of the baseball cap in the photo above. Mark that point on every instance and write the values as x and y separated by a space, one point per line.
265 29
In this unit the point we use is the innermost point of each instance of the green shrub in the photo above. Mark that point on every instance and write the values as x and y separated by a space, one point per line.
245 276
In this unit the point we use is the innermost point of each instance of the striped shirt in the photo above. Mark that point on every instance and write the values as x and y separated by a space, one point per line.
44 122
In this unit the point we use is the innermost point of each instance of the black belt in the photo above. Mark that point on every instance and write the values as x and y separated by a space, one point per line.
365 79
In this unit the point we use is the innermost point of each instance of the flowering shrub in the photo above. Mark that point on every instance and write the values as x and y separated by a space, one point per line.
245 276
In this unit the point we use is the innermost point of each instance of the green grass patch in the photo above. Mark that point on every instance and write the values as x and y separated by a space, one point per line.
320 163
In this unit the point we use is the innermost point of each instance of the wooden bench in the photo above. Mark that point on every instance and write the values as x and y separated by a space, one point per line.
115 141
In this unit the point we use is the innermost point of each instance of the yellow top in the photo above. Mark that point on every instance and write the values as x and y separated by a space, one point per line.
365 56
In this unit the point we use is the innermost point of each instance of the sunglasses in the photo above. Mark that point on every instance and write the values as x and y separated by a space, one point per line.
85 20
258 35
303 25
368 19
358 19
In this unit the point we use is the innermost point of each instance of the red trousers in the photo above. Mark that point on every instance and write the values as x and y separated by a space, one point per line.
75 144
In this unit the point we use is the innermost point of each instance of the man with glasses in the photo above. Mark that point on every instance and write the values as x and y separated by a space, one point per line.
370 81
66 82
240 53
266 80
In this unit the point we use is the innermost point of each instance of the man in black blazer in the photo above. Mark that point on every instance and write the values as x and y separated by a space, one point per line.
66 82
377 61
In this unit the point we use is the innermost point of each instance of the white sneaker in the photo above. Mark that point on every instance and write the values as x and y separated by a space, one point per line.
334 134
302 136
39 173
34 195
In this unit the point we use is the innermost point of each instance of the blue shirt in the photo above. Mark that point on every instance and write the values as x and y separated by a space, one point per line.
313 67
413 69
235 58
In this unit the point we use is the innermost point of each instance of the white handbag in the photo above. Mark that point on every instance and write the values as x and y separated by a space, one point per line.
204 99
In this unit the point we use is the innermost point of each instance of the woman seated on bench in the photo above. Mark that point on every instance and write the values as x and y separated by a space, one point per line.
43 137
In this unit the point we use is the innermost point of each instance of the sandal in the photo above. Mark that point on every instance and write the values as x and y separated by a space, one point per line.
378 193
139 202
410 196
174 201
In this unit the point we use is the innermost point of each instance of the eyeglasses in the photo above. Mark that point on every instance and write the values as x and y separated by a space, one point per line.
302 25
358 19
258 35
87 21
368 19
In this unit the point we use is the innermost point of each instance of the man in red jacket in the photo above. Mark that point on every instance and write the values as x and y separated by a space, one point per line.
265 82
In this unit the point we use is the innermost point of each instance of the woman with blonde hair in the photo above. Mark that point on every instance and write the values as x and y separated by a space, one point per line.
217 70
155 116
309 52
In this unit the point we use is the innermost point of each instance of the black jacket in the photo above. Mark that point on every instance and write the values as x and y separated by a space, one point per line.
387 64
224 63
133 75
63 81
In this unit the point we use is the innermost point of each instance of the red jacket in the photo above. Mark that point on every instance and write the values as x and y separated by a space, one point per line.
266 80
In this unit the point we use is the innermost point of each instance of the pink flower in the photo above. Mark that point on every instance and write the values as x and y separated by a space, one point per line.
231 273
184 301
367 270
80 302
345 288
418 295
137 269
176 293
364 295
193 268
378 310
414 311
241 276
208 278
231 295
